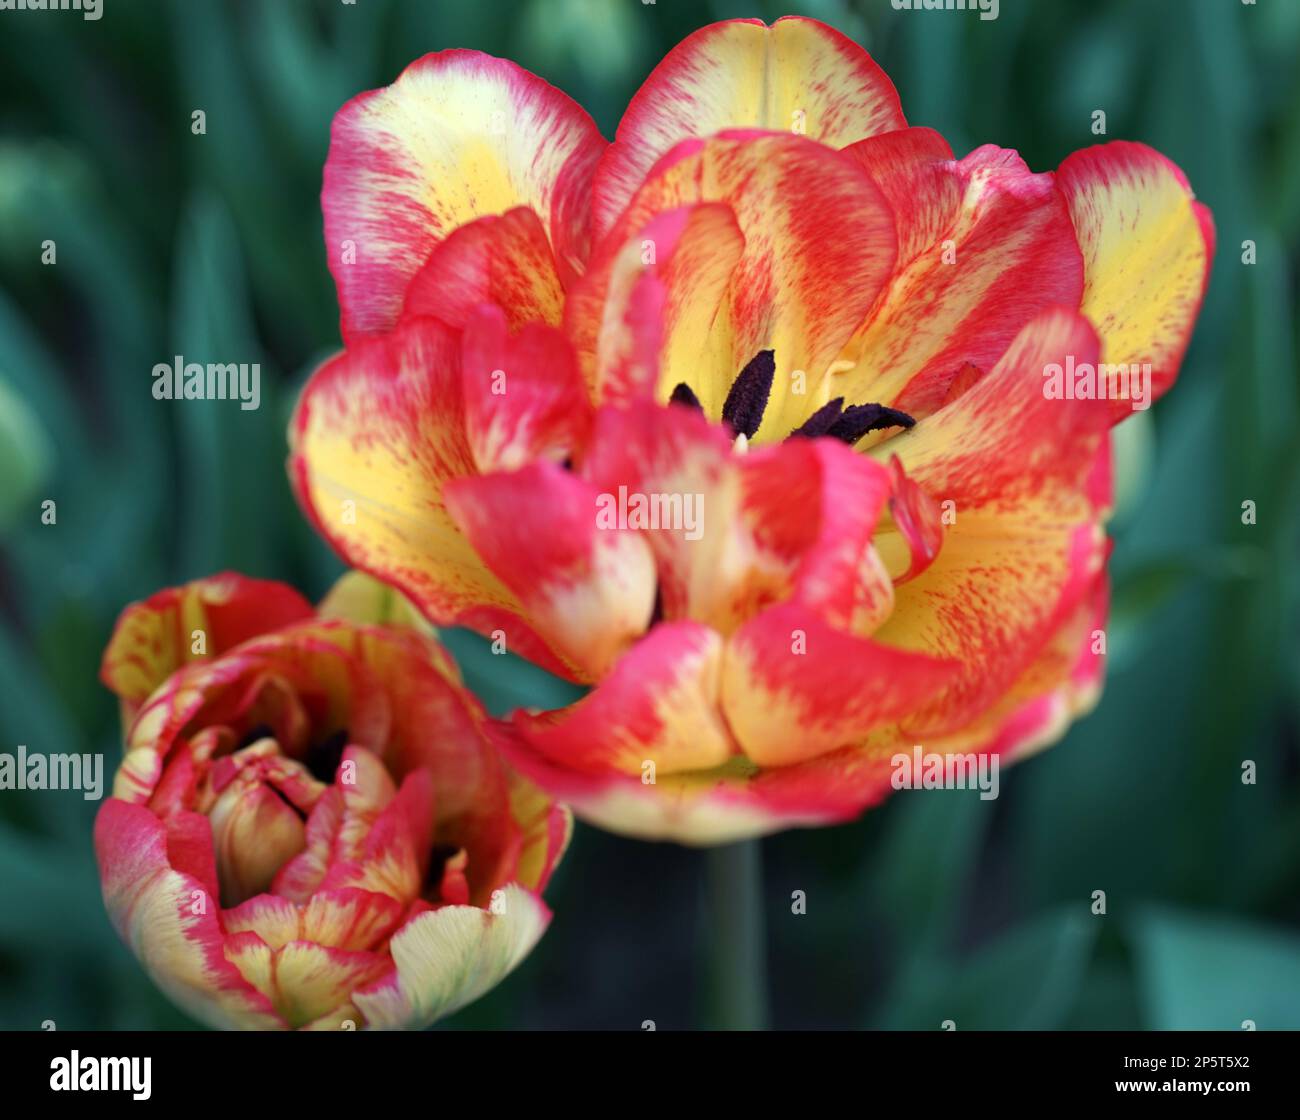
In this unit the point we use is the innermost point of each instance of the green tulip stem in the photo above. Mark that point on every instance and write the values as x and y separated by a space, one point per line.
735 938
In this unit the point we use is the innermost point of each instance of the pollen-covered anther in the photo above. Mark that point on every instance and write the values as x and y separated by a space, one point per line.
852 423
684 394
747 401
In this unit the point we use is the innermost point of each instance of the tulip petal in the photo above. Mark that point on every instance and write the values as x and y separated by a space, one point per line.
1147 247
385 834
435 734
460 135
170 921
794 688
153 731
524 398
255 833
913 169
275 920
1026 543
312 980
190 849
438 730
303 874
644 310
673 455
377 434
547 829
1005 252
734 801
812 506
911 536
504 260
157 636
587 588
361 599
654 714
747 531
1062 684
798 74
819 246
448 957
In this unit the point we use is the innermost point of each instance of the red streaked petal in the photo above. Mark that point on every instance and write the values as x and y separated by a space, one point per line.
273 919
798 74
437 730
1008 252
643 311
1026 541
388 854
704 807
303 874
658 705
546 831
1061 684
812 506
673 455
912 538
155 637
794 687
586 588
377 434
170 921
819 247
155 726
504 260
368 789
748 531
255 833
515 635
1006 439
1147 247
312 980
913 169
459 135
524 399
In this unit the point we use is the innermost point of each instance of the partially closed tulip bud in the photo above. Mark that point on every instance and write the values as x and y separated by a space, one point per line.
256 827
309 829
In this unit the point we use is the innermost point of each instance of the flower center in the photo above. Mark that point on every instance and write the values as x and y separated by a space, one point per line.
747 402
257 801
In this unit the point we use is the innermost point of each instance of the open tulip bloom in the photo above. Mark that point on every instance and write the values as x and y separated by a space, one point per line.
771 420
309 829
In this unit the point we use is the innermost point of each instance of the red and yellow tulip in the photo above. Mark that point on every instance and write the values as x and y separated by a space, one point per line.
771 294
309 829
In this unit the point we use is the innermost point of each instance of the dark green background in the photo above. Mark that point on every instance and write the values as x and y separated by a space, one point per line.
933 907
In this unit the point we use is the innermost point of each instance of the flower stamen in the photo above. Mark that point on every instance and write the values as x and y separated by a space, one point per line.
684 394
747 401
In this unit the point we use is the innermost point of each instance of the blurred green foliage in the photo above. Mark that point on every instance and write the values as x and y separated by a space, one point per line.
930 908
